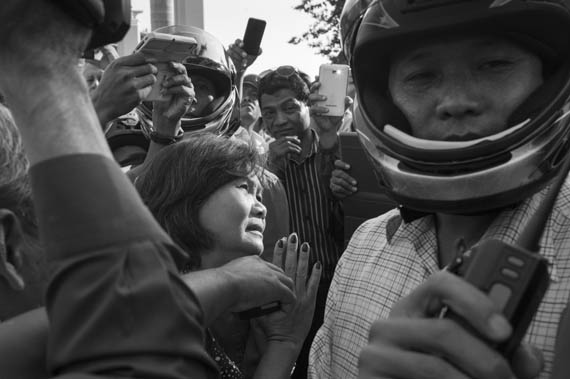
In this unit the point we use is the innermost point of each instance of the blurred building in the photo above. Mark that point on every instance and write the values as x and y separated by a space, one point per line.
163 13
189 12
181 12
132 38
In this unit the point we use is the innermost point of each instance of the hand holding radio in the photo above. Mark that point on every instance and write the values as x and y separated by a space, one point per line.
412 342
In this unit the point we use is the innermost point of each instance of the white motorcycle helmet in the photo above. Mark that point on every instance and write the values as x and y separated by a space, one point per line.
212 61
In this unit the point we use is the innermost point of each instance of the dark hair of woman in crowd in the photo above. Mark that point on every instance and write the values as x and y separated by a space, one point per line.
202 163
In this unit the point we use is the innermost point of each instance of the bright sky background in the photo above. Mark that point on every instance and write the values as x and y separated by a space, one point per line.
227 19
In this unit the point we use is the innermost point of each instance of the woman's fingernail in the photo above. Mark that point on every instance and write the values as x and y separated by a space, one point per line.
293 238
280 243
318 265
305 247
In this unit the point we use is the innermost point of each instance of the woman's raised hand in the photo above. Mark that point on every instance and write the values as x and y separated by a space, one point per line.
292 323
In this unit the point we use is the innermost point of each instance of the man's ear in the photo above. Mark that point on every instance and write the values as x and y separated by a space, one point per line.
11 260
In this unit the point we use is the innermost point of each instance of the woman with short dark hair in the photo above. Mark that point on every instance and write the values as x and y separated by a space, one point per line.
205 191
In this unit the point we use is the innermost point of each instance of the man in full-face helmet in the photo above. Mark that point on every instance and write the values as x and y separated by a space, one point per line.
215 106
462 106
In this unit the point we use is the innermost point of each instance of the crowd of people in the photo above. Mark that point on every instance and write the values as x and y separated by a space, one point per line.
201 235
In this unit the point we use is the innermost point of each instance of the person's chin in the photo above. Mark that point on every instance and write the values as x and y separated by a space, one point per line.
255 240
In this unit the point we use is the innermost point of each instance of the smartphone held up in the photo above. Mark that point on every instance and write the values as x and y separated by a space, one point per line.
253 35
334 81
160 49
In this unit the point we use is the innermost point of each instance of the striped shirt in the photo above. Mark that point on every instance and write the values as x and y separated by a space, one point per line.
386 259
312 208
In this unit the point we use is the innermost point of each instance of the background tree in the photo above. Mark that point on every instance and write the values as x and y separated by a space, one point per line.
324 34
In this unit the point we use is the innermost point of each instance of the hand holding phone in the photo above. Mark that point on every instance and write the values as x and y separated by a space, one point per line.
253 35
334 81
161 48
164 72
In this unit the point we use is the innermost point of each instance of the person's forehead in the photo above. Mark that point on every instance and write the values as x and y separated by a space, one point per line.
418 50
282 96
247 88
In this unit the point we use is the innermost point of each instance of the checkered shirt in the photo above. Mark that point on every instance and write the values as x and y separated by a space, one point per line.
386 259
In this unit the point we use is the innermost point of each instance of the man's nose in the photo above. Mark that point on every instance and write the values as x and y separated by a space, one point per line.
458 99
280 118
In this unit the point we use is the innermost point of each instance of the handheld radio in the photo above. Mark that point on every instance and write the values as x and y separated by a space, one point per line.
515 277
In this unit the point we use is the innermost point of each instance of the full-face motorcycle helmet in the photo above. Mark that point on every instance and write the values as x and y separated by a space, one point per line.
211 61
460 176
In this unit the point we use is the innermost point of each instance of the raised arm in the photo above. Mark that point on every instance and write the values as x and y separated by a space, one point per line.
111 262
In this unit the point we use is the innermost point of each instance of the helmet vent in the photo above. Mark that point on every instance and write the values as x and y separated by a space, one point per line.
420 5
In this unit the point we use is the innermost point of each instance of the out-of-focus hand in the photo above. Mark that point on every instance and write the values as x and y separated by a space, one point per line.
166 115
241 59
39 40
342 184
255 282
110 54
124 84
291 324
412 343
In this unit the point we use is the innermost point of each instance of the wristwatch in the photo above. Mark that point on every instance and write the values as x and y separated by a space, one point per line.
163 139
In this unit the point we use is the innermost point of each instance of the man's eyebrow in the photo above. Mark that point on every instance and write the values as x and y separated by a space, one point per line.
424 52
275 105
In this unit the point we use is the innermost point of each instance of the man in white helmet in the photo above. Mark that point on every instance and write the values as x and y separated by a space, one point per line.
461 106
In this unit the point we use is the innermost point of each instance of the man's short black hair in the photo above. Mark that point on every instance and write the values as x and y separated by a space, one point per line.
297 81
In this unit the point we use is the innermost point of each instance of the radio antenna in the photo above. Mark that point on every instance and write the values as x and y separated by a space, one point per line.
529 239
